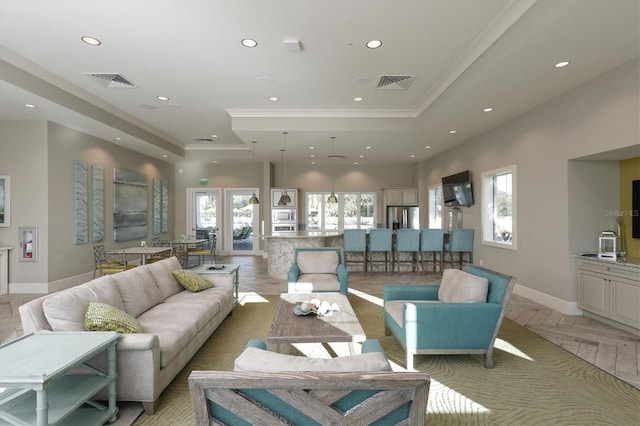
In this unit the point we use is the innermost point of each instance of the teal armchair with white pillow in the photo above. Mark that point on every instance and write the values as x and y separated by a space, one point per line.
461 314
318 269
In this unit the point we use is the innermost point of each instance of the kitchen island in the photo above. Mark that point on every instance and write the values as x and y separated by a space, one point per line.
282 245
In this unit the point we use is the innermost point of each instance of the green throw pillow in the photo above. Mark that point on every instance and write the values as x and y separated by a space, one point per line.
191 280
104 317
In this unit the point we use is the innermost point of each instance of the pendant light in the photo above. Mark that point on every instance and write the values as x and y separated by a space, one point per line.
332 198
284 198
254 198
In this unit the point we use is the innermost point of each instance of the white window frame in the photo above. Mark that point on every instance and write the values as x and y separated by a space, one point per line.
434 201
325 195
488 206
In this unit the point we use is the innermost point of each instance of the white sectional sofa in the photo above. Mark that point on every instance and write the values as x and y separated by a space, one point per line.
175 322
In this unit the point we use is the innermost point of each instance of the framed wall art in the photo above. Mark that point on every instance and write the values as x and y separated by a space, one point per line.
5 201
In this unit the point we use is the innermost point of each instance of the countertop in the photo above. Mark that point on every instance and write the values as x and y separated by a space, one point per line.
623 261
303 234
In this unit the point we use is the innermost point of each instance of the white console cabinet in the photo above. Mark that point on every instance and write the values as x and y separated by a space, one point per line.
610 290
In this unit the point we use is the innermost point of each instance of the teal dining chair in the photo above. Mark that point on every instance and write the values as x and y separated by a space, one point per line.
407 241
380 241
355 242
431 246
459 248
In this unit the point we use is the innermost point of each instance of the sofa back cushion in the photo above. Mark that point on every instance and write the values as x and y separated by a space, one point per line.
138 290
318 262
462 287
255 359
65 309
161 273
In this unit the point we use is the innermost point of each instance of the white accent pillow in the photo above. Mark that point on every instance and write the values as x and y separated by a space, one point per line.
462 287
254 359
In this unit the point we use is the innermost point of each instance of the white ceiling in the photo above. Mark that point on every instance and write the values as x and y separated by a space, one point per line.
465 55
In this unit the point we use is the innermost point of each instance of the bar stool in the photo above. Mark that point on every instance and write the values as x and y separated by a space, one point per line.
460 243
407 240
355 241
431 245
380 240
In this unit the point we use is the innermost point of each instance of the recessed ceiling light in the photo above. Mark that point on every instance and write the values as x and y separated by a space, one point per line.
355 162
215 161
452 131
118 139
357 99
374 44
274 99
313 162
162 98
30 106
91 40
312 147
367 147
362 156
312 156
214 136
488 109
562 64
249 42
428 147
164 155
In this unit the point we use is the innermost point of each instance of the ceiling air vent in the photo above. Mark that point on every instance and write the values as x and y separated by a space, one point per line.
111 81
204 140
395 82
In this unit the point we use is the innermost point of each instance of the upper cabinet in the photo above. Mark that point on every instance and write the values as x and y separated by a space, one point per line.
401 197
276 193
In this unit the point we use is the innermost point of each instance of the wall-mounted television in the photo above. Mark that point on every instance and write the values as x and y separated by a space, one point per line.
635 219
457 189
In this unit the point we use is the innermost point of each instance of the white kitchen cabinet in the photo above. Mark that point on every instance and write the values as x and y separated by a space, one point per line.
610 290
276 193
401 197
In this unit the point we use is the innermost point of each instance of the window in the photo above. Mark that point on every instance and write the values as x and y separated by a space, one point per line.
435 206
354 210
499 207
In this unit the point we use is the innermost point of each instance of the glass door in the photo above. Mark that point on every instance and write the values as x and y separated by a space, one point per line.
204 214
241 220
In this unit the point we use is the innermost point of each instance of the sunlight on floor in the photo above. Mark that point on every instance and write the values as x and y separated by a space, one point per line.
250 297
373 299
508 347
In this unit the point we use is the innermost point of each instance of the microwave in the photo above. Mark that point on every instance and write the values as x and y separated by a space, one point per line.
283 228
284 216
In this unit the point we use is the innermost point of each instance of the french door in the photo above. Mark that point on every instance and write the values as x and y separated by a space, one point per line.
241 222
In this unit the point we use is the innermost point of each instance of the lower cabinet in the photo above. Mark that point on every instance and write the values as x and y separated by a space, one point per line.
610 290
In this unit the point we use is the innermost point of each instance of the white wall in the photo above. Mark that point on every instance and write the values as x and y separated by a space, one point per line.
600 115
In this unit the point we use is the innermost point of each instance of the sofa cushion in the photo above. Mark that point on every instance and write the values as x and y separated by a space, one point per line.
106 291
65 310
103 317
174 334
317 282
317 262
462 287
255 359
191 281
161 273
138 290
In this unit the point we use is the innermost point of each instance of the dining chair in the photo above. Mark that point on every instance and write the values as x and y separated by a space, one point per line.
407 241
460 244
157 242
431 246
207 250
109 261
380 241
355 243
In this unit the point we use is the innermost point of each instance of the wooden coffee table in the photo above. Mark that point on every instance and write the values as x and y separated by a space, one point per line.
341 326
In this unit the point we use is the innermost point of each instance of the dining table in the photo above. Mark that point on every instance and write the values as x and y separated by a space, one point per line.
144 252
186 243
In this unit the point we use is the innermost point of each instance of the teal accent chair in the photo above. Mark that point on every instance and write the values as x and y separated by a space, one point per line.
318 269
355 241
423 325
407 240
310 397
431 247
460 244
380 240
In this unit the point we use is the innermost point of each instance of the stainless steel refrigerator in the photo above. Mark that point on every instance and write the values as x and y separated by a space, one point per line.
399 217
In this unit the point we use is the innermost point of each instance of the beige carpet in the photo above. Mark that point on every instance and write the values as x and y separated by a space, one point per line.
534 382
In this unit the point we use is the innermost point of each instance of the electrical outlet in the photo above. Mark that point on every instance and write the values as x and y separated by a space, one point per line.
481 262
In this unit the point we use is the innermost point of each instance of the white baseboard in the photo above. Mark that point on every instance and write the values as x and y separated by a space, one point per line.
562 306
47 288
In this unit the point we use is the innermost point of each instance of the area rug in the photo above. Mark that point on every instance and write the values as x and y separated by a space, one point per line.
534 382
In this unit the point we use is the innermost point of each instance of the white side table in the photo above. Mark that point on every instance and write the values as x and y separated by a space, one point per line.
41 370
220 268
